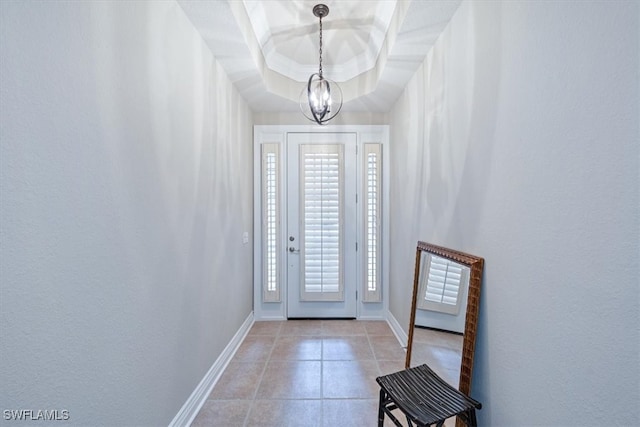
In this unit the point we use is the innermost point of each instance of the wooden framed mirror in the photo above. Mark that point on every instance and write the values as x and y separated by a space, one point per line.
444 312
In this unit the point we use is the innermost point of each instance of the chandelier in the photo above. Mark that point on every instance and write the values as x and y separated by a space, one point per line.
321 99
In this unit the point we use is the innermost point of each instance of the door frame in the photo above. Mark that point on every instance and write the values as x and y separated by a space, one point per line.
277 134
345 307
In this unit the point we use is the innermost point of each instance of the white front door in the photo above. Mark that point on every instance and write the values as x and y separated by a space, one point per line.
321 225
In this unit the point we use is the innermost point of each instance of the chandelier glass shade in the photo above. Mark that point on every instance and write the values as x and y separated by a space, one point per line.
321 99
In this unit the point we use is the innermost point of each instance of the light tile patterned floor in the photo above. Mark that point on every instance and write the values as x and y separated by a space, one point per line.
305 373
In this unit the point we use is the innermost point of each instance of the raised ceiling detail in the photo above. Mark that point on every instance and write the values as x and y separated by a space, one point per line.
269 48
353 35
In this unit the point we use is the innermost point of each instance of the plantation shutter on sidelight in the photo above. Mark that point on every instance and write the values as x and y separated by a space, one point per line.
271 246
371 251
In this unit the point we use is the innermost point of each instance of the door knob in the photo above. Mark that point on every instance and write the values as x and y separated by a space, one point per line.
292 249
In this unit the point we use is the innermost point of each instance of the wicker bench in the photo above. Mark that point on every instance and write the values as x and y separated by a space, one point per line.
424 398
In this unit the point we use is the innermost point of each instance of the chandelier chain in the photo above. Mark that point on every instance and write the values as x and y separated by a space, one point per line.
320 70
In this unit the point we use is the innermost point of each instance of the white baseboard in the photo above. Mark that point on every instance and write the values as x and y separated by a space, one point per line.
192 406
269 318
372 317
400 334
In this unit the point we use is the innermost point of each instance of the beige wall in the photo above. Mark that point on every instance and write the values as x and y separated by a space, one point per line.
125 187
517 140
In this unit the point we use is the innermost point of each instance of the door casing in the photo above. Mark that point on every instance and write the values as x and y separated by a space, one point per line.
277 134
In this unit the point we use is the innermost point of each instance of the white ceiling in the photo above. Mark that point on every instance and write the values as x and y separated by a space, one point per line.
270 47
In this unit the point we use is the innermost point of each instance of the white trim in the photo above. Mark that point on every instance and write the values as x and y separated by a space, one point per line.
400 334
192 406
271 319
372 317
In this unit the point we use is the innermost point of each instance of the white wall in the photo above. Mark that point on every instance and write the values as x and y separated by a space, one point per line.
125 185
517 140
297 118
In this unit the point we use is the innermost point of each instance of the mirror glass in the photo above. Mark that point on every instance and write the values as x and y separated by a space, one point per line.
444 313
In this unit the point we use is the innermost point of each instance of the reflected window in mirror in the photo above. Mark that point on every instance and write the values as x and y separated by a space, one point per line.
442 293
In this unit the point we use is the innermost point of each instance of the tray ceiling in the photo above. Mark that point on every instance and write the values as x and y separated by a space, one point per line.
270 47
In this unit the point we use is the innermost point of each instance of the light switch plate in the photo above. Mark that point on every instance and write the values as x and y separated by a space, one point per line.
245 237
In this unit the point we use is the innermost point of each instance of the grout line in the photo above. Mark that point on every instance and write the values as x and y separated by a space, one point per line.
373 353
321 379
264 370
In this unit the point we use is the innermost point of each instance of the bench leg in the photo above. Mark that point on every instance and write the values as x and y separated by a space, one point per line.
381 408
472 418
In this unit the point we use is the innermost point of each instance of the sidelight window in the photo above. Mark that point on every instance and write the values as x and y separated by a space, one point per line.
271 222
372 221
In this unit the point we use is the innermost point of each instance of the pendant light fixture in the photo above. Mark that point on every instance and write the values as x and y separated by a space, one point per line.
321 99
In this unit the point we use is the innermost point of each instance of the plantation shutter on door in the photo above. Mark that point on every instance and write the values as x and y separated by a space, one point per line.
322 222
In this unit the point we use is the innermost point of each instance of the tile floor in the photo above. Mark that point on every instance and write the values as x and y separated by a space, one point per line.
306 373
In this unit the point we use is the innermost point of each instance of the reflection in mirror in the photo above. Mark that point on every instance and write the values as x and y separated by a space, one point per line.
444 313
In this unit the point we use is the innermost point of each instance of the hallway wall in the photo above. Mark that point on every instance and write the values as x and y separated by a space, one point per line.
517 140
344 118
125 187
